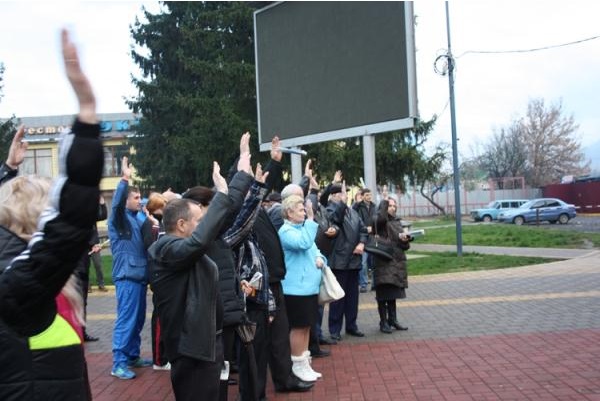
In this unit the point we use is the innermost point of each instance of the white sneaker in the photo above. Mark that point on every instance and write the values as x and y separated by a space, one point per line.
163 367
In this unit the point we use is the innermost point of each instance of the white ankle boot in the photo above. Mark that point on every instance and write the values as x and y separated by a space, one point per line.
309 363
301 368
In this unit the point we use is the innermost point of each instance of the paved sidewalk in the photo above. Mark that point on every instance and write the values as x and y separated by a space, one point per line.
529 333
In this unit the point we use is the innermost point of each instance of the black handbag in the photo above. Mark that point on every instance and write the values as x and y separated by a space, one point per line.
379 246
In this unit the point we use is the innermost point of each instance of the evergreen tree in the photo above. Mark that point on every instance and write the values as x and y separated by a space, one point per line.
399 155
7 127
197 95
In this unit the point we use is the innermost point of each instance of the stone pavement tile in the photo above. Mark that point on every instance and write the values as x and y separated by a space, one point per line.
553 366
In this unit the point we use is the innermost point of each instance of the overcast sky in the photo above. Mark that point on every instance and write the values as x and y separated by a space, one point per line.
491 89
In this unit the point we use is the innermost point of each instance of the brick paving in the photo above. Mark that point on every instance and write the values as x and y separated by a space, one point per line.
528 333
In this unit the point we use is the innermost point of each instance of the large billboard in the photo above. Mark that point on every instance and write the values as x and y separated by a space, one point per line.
332 70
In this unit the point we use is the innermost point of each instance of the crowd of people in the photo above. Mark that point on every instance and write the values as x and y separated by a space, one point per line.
234 269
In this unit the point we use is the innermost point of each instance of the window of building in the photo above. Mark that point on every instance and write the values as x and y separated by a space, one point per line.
112 160
38 161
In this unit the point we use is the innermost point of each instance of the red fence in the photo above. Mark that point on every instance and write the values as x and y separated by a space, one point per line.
584 195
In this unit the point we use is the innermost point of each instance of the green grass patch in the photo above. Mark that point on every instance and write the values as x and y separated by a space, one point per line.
449 262
106 270
431 222
510 235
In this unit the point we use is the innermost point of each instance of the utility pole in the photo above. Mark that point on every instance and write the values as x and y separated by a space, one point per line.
455 168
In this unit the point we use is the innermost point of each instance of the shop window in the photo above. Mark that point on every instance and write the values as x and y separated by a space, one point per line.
38 162
112 160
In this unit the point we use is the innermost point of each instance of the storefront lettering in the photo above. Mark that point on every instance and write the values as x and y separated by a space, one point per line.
105 126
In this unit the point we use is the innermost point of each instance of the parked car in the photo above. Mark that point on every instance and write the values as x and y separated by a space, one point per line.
544 209
491 211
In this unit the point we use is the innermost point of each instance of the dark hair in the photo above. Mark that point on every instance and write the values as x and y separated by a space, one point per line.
131 189
365 191
175 210
200 194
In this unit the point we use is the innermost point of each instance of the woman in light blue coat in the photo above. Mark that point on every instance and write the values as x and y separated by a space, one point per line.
303 263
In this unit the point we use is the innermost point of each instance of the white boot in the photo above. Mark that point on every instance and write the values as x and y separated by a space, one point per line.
309 363
301 368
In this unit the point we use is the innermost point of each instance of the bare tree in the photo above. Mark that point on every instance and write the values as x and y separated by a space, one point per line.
506 154
542 146
552 148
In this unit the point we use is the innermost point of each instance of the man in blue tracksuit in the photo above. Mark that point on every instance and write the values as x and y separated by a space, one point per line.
129 275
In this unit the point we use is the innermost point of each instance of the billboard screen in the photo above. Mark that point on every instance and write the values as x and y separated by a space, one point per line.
331 70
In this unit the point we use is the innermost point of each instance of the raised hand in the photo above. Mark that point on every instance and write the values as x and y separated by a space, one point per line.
310 213
218 179
308 169
244 162
276 149
125 168
337 177
79 81
260 176
245 143
16 152
314 184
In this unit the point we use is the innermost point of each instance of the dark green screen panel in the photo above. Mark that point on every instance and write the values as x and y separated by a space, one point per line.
331 66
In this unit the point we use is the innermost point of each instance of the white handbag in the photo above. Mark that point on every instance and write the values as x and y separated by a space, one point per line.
330 289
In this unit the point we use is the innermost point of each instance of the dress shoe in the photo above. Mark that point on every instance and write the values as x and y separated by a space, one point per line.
355 333
89 339
384 327
336 337
294 384
396 325
321 353
327 341
102 289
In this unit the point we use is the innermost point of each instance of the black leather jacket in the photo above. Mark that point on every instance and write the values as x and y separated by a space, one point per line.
352 232
185 284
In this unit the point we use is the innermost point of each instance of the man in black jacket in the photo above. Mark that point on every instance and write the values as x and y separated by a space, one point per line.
345 260
367 211
185 282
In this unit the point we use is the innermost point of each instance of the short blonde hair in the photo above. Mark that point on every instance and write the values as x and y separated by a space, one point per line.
22 201
289 203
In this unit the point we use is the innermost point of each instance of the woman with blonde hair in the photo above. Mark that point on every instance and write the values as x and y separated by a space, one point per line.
44 230
303 262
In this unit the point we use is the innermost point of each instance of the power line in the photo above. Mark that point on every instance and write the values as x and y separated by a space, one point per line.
529 50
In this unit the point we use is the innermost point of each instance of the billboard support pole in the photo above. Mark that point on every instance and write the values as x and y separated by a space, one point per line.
369 162
297 170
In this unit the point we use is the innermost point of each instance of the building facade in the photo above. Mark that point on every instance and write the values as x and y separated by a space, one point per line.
42 134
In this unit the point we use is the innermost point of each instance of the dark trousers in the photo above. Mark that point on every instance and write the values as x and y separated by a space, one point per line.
229 349
347 307
82 273
261 356
158 346
193 379
280 360
97 262
315 332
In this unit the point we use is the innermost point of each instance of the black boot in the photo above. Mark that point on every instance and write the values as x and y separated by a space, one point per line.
392 320
384 327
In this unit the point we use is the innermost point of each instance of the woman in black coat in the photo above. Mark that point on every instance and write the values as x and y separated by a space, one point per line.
391 276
